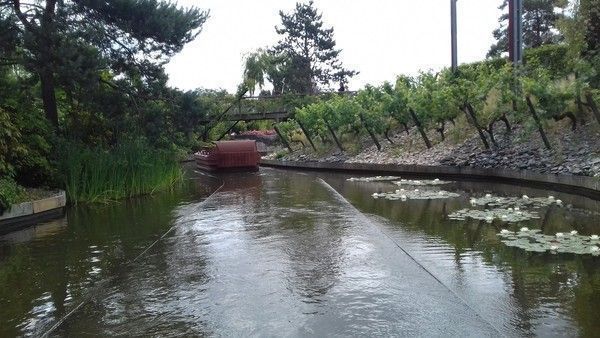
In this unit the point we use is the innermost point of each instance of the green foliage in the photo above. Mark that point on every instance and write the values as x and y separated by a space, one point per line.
303 61
554 58
10 193
130 169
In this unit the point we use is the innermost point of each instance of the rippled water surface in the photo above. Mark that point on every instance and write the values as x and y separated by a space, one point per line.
284 253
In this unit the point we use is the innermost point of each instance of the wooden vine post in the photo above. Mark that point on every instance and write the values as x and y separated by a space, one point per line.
420 127
537 122
307 135
470 112
285 142
362 120
337 142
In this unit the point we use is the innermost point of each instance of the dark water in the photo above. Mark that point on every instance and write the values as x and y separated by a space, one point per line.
279 253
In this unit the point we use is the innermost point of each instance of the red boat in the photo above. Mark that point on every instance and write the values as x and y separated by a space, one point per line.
229 156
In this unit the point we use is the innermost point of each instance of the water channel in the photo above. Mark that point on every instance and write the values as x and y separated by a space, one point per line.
284 253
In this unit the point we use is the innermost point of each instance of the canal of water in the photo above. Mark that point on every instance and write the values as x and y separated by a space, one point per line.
283 253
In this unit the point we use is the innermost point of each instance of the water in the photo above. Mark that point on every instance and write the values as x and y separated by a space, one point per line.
280 253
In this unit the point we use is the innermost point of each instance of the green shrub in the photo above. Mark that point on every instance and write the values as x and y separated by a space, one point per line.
130 169
10 193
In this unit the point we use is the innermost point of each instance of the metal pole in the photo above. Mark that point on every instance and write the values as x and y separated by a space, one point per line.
519 31
454 29
515 31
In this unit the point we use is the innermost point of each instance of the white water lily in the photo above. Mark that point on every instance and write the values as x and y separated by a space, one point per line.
553 248
504 216
436 180
374 194
401 189
560 234
504 231
524 229
594 237
594 249
550 197
558 202
574 232
488 195
440 192
473 201
510 209
525 197
403 197
517 209
397 191
416 190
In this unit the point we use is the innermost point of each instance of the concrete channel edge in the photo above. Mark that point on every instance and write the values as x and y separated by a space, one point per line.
24 214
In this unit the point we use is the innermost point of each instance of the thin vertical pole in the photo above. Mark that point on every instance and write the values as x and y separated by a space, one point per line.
515 31
454 30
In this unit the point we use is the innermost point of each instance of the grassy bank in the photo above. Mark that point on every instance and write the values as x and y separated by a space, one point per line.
131 169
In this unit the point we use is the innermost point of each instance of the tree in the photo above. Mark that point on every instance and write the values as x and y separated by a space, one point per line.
590 12
539 25
309 57
71 43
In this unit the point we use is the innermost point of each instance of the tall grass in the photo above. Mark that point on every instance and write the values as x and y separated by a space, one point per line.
131 169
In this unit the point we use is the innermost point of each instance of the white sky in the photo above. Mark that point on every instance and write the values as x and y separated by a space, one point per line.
379 38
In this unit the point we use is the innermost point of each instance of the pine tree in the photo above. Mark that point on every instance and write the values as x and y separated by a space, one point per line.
310 56
539 25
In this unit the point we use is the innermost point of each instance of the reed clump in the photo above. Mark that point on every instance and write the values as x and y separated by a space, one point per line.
133 168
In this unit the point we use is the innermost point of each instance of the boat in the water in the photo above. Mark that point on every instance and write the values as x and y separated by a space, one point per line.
239 155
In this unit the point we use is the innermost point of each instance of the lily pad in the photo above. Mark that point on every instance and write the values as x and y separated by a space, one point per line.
436 181
506 215
373 179
515 202
534 241
415 194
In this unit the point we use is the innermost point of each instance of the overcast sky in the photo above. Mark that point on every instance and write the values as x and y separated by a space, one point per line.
379 38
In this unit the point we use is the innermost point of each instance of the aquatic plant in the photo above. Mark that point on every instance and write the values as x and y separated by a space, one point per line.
515 202
535 241
373 179
131 169
436 181
416 194
507 215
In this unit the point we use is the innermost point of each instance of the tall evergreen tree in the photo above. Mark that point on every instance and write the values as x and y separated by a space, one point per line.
308 49
539 25
72 43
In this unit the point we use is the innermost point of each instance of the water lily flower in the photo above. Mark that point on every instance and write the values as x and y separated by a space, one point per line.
558 202
594 249
401 189
517 209
594 237
525 197
559 234
574 232
550 197
504 217
504 231
553 248
436 180
403 197
397 191
473 201
488 195
524 229
416 190
440 192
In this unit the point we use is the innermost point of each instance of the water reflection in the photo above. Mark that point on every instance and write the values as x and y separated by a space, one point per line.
528 294
277 253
